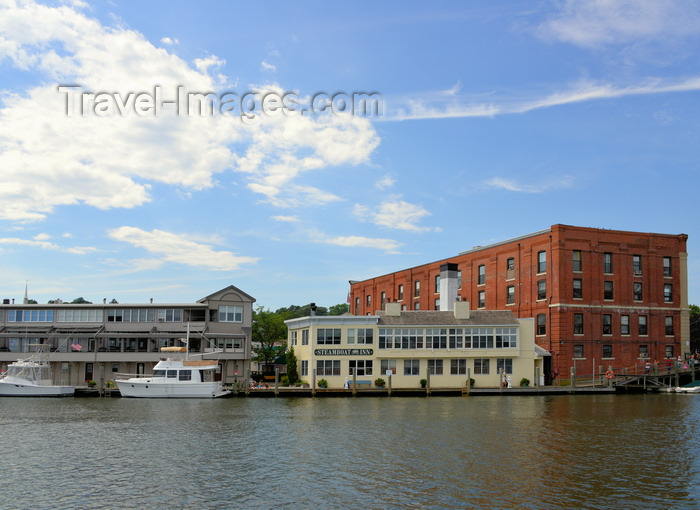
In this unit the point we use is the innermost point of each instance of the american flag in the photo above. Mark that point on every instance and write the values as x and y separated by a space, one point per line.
76 346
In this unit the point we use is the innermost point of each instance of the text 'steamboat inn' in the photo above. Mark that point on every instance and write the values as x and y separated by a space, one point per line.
445 346
95 342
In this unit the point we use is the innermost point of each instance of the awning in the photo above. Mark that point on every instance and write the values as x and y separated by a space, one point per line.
541 351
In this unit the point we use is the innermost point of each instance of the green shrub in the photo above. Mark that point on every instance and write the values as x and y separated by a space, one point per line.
379 382
524 382
423 383
284 380
322 383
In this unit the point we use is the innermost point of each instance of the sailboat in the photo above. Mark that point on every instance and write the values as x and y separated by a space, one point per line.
176 376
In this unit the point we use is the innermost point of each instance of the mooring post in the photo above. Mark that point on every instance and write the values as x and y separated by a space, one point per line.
277 381
354 382
388 384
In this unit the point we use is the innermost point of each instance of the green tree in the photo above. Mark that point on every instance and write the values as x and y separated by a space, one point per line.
694 328
80 301
269 336
294 311
339 309
292 372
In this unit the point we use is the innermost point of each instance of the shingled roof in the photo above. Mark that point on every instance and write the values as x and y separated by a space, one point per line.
435 318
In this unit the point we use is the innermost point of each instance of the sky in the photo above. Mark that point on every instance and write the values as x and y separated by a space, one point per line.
167 150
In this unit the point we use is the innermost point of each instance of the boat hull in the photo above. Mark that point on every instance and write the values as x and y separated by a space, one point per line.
8 389
148 388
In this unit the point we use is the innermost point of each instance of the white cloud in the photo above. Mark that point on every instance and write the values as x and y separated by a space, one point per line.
267 67
49 159
180 249
284 148
436 106
594 23
388 245
286 219
565 181
44 245
42 241
169 41
385 182
396 214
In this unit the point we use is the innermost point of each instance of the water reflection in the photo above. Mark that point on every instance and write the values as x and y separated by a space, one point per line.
479 452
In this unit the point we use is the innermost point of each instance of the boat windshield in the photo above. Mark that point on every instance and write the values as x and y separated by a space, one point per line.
159 373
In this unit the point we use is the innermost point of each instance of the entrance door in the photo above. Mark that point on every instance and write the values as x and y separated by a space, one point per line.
88 372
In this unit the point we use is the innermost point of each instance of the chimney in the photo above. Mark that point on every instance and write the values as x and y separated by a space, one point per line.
312 307
461 309
448 286
393 309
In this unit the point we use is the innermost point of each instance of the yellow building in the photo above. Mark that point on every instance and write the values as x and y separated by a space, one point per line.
443 347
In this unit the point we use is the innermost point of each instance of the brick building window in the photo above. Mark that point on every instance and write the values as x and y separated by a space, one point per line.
482 299
437 304
607 263
668 292
437 283
637 291
637 265
541 324
607 351
542 289
369 301
577 262
400 292
416 288
357 306
667 266
643 351
578 351
510 294
643 325
542 262
607 324
578 324
669 325
624 324
383 299
608 290
578 288
482 275
459 279
669 351
510 264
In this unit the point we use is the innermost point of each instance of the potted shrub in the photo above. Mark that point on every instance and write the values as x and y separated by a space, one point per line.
423 383
90 383
524 382
379 382
322 383
284 380
471 382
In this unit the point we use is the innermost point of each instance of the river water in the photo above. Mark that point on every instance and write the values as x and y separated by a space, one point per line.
569 451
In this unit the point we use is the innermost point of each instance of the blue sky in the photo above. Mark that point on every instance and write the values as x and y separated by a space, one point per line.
497 119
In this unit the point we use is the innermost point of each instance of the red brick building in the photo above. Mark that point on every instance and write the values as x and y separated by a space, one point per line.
599 297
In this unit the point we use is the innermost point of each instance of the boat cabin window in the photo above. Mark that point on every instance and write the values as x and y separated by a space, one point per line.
159 373
172 373
185 375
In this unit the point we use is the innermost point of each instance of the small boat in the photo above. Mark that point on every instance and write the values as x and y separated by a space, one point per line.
31 377
175 378
693 387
